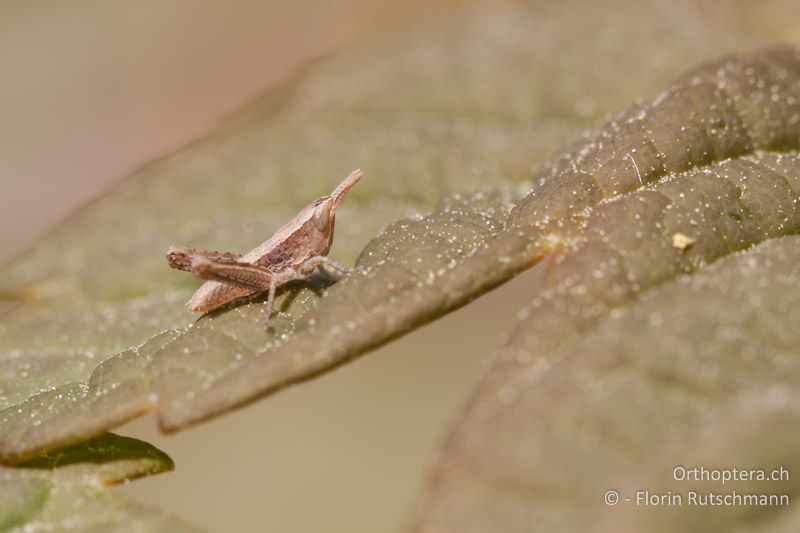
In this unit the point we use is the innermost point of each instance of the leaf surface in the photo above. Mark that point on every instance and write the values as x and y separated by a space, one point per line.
99 335
634 346
701 370
64 489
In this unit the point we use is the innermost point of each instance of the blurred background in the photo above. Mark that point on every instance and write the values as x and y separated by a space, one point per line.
92 89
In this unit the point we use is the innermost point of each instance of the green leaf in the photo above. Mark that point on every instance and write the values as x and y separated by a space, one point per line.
413 280
700 370
64 489
636 355
99 335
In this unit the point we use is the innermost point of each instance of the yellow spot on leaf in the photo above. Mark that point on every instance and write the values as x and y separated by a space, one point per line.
681 241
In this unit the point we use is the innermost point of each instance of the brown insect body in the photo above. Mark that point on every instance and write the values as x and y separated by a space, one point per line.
295 242
298 247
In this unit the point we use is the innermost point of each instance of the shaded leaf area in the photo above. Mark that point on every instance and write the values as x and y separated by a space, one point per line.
616 246
701 370
422 268
105 460
64 490
623 216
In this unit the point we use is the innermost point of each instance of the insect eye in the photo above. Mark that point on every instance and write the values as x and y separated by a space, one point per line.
322 216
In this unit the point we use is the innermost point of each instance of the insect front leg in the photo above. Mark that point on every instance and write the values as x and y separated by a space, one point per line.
277 279
180 257
329 265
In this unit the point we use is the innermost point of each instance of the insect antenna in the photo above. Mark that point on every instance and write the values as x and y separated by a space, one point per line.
346 185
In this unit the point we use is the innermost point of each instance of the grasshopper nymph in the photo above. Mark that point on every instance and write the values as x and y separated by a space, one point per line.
294 250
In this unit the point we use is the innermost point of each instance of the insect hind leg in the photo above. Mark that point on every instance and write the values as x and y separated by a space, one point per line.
181 258
247 276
